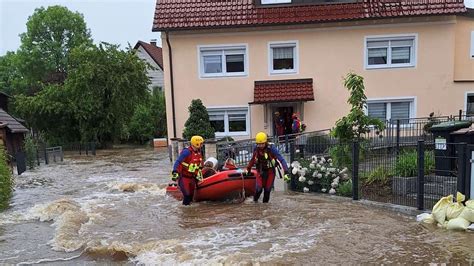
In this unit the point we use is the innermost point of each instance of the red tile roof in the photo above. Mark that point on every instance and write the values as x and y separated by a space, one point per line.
290 90
195 14
154 51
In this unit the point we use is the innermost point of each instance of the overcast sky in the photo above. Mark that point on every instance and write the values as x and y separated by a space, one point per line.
114 21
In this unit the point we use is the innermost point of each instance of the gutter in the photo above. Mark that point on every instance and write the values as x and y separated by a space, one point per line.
170 52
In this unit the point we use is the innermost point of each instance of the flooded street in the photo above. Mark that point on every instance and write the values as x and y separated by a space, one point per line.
112 208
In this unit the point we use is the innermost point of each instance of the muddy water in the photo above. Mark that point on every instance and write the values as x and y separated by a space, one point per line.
113 209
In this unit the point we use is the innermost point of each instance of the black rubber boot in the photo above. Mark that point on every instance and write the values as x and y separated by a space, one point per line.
257 196
266 196
187 200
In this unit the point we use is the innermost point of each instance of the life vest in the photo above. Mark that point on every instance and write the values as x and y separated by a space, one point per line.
265 159
297 126
191 166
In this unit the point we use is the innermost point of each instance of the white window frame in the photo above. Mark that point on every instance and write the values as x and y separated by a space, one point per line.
271 2
226 110
272 45
388 101
220 50
471 54
466 94
397 37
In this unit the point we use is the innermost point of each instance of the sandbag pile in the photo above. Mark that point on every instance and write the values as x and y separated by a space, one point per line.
451 215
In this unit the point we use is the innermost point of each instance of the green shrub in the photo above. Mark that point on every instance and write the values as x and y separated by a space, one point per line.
407 165
198 122
6 181
345 189
30 149
380 175
342 154
318 174
141 125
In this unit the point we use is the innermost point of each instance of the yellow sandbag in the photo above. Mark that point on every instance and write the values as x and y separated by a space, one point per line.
439 210
460 197
428 219
458 224
468 214
454 210
470 204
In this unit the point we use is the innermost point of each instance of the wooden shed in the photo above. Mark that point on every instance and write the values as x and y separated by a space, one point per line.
12 132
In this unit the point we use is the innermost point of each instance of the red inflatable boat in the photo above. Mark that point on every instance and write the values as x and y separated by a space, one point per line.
224 185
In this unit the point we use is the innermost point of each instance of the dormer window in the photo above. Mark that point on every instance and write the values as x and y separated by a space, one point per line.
270 2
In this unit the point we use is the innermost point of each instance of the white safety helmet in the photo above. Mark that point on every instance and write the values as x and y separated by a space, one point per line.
213 161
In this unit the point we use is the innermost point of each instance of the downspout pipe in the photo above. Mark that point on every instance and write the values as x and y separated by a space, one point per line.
170 56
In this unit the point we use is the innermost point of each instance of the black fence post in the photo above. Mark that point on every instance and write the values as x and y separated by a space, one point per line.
38 154
460 114
398 137
93 149
46 159
420 197
462 163
286 143
355 170
292 152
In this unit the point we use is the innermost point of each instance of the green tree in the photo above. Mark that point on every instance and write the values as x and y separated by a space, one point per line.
11 81
96 102
6 181
198 121
158 109
51 34
355 124
141 127
105 85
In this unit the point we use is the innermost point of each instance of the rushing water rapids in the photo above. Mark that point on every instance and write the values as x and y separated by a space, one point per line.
112 208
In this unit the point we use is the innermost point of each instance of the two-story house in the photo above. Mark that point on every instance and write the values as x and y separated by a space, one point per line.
247 59
153 55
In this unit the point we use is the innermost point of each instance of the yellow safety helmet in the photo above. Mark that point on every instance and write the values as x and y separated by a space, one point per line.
196 141
261 138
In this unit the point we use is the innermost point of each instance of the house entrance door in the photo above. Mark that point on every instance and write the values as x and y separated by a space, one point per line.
282 120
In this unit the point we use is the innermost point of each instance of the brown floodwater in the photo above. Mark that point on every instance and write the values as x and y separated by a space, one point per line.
112 208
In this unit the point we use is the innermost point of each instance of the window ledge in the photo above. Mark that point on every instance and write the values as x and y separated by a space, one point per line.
388 67
283 72
210 76
233 134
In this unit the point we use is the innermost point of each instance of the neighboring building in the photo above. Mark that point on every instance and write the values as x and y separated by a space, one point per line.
246 59
12 132
153 55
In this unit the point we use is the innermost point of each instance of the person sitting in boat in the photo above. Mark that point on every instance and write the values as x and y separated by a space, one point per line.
210 166
187 169
229 164
265 157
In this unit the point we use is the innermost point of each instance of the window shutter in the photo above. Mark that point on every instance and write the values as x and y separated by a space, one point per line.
400 110
377 110
401 54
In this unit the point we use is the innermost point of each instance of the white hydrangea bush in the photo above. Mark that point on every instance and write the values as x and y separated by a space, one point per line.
320 175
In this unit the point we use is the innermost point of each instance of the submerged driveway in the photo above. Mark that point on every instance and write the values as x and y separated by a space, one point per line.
113 208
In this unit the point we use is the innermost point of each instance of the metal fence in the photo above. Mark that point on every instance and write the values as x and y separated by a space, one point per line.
418 175
395 135
400 164
85 148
